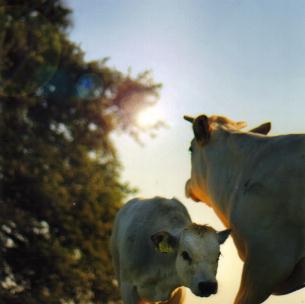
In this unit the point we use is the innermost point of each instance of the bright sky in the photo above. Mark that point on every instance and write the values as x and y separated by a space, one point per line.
242 59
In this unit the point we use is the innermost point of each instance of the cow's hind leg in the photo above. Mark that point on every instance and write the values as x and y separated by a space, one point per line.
261 273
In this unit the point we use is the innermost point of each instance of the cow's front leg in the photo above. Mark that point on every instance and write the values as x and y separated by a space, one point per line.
295 281
261 273
178 296
129 293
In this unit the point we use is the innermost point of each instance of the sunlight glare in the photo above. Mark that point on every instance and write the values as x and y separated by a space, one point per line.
149 117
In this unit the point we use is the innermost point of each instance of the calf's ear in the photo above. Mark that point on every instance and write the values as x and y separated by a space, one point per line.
223 235
164 242
202 129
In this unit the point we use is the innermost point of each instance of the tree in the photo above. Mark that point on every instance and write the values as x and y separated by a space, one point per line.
60 176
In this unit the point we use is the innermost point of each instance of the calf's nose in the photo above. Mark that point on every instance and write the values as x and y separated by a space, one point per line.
207 288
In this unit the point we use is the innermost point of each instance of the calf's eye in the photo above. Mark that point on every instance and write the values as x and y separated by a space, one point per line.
186 256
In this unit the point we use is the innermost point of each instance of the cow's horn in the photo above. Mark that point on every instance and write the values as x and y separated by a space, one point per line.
188 118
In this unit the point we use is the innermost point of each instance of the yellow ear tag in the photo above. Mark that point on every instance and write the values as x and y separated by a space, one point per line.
165 248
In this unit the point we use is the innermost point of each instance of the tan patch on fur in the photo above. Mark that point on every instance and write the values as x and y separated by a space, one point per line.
216 121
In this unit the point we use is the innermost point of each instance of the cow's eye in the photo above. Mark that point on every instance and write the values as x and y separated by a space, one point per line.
186 256
191 149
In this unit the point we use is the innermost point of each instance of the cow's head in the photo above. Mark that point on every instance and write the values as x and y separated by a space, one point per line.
204 127
197 250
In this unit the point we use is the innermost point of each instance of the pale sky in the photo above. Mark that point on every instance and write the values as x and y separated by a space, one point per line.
244 59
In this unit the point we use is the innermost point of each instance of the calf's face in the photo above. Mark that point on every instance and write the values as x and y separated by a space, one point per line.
197 251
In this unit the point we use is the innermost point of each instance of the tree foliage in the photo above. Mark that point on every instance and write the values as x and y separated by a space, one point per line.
60 176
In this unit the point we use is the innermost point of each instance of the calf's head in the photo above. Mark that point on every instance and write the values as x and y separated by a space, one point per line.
196 250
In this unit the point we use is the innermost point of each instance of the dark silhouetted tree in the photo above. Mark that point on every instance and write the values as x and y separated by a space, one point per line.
60 177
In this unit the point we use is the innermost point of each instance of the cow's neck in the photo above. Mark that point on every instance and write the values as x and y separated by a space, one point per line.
227 155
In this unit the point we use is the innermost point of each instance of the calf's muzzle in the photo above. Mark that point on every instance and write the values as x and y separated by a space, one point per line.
207 288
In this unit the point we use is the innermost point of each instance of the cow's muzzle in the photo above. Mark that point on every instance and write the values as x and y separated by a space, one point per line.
189 193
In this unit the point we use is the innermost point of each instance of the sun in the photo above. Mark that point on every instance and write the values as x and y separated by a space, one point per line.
149 117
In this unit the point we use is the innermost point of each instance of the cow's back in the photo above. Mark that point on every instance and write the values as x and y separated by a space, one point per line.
281 157
136 221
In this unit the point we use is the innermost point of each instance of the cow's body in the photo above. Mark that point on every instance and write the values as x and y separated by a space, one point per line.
256 185
143 272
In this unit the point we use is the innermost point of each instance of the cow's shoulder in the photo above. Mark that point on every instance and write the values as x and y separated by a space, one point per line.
270 193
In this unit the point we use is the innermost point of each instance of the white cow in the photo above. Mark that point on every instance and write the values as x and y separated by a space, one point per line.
256 186
156 249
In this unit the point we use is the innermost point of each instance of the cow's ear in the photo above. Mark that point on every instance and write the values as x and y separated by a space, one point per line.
223 235
202 129
164 242
262 129
188 118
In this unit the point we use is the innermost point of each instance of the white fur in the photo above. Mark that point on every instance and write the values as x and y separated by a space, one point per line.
256 185
145 273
